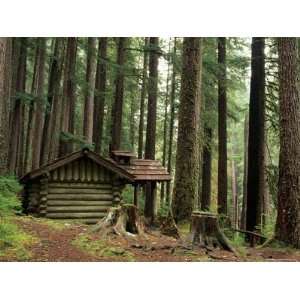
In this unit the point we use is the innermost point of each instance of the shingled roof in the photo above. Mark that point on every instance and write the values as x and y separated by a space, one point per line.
107 163
137 170
147 170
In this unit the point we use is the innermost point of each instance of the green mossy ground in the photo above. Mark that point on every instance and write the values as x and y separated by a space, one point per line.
14 242
99 248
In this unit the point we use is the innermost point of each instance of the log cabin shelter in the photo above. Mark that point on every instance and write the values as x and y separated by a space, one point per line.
83 185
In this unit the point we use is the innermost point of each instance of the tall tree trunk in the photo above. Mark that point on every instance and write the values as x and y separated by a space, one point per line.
99 98
132 123
39 106
69 98
256 143
89 97
17 138
22 87
171 125
185 187
151 122
206 169
234 195
142 102
164 157
288 217
244 204
15 56
31 114
222 127
5 83
266 200
52 114
117 112
56 113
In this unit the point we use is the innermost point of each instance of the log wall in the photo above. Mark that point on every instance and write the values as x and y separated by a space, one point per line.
81 190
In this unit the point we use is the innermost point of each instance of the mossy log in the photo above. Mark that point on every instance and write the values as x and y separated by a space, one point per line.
206 232
122 220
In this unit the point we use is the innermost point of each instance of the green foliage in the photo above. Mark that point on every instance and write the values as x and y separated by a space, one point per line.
272 178
9 202
238 242
77 140
163 210
13 241
127 194
268 229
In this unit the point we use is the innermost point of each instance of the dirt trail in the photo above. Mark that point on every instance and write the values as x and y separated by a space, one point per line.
55 244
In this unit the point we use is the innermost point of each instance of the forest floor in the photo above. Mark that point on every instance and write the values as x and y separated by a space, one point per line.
48 240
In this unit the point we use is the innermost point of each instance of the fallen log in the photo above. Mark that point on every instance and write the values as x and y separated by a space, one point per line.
206 232
254 238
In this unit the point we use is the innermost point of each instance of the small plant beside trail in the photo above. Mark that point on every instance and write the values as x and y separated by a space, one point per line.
13 241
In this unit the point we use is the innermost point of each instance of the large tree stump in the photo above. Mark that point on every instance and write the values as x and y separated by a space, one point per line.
123 220
168 227
206 232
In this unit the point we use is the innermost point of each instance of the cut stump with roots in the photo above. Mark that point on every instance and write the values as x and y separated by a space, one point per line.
168 227
123 220
206 232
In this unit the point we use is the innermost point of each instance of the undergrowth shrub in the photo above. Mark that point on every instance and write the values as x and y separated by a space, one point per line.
9 202
13 241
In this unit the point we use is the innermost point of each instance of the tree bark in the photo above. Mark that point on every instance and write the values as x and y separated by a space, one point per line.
187 143
244 204
234 195
99 98
206 170
132 122
171 125
57 108
50 133
16 152
222 127
166 104
266 201
90 88
15 55
142 100
5 83
31 113
151 123
39 106
256 143
288 217
117 111
69 99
